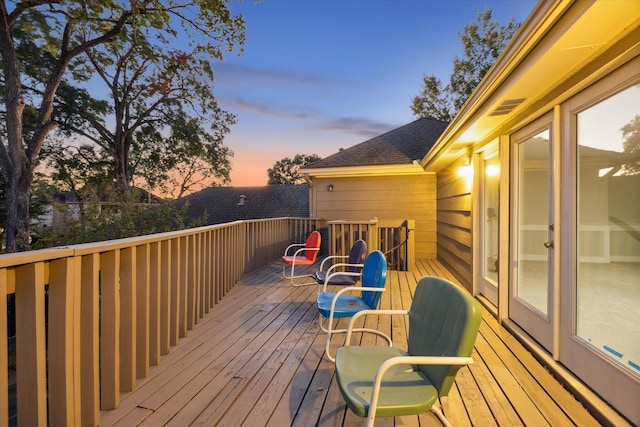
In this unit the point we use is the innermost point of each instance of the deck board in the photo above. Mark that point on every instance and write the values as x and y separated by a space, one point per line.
256 359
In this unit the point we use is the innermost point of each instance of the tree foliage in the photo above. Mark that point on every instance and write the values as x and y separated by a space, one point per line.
108 214
42 42
631 145
482 43
159 99
285 171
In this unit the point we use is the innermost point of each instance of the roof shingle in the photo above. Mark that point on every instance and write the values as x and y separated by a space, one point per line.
222 204
398 146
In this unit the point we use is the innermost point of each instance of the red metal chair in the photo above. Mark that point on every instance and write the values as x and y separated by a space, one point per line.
299 254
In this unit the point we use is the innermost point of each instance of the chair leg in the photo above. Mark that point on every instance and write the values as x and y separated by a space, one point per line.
438 412
291 277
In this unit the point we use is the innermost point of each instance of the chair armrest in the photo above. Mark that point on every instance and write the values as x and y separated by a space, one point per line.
303 249
343 264
294 245
362 313
332 257
408 360
328 276
356 288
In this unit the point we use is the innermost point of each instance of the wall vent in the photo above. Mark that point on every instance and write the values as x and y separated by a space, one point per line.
507 106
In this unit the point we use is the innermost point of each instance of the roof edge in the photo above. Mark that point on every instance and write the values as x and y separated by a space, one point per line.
413 168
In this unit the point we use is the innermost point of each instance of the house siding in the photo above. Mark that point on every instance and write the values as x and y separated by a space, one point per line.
454 230
387 198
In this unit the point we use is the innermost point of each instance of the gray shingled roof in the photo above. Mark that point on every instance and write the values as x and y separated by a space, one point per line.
398 146
272 201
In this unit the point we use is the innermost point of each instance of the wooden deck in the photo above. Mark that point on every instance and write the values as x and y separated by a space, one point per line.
257 360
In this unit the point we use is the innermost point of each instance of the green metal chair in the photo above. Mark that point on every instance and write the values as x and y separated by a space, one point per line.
379 381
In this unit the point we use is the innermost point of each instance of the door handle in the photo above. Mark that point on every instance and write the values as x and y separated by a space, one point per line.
548 245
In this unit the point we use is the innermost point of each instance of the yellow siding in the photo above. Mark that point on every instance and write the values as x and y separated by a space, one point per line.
386 198
454 225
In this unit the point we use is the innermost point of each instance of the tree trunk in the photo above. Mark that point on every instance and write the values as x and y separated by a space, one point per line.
121 163
18 191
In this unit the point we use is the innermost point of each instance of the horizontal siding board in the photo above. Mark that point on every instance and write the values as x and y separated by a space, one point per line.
458 203
454 188
458 249
460 235
461 219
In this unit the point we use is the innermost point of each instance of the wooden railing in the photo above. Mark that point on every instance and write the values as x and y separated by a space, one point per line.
395 238
91 319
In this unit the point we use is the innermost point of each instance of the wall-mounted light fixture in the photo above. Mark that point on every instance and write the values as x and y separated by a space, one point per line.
330 188
466 168
492 170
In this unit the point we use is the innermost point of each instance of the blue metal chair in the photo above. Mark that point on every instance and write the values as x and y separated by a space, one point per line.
345 304
379 381
343 273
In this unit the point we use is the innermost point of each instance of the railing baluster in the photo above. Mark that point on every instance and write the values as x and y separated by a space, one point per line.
155 307
166 293
191 284
142 312
30 346
127 319
89 339
174 295
4 350
110 329
64 341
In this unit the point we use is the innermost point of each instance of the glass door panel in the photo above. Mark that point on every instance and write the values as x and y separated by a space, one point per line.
491 170
533 222
488 225
532 233
608 228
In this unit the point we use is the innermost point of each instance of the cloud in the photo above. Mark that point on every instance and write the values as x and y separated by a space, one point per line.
236 74
361 127
270 109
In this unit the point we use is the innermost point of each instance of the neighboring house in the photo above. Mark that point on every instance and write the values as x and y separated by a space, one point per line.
533 193
227 204
65 205
381 177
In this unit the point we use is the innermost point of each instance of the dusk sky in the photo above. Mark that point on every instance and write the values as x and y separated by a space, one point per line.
320 75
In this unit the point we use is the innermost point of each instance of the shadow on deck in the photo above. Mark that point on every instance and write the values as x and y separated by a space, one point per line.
257 360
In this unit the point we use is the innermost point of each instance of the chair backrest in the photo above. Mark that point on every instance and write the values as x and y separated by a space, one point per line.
313 241
443 321
374 275
356 255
